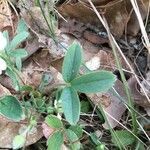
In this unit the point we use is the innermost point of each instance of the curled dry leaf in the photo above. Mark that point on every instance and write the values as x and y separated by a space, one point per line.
137 93
116 19
138 97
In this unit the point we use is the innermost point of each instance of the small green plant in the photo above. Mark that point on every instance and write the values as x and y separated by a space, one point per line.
10 58
12 55
60 134
93 82
124 137
99 81
67 98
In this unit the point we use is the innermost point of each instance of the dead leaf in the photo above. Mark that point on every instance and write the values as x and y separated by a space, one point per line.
9 130
5 14
72 27
104 59
93 64
94 38
133 24
138 97
47 131
117 14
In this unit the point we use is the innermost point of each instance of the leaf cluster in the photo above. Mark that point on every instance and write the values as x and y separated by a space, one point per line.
99 81
13 54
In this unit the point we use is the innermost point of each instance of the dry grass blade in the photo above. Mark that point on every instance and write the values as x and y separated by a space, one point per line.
142 27
126 128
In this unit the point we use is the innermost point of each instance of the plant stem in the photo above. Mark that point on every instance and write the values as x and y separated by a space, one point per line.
129 97
48 89
50 29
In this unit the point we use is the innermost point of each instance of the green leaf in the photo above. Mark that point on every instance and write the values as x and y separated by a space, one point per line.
71 105
53 121
18 63
100 81
13 77
21 26
11 108
19 141
85 106
26 88
55 141
21 53
100 147
123 138
73 139
139 146
72 62
95 140
17 40
77 130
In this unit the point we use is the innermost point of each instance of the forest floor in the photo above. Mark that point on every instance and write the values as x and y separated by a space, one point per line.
113 35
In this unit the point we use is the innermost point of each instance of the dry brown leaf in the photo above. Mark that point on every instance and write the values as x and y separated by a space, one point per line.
138 97
106 61
10 129
117 14
138 93
36 22
133 24
5 14
35 19
94 38
47 131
